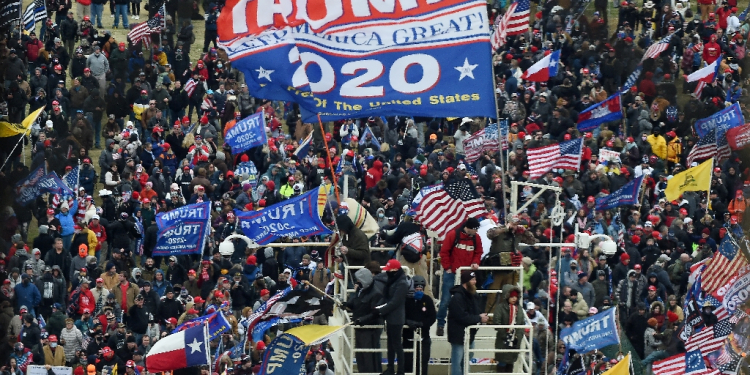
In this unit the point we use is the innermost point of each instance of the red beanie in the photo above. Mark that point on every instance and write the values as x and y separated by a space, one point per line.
244 158
672 316
252 260
624 257
636 239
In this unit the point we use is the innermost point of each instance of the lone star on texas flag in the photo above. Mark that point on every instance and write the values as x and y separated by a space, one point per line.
467 70
195 345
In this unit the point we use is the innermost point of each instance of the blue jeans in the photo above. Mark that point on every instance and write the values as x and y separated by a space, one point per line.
457 359
96 14
121 10
445 296
66 242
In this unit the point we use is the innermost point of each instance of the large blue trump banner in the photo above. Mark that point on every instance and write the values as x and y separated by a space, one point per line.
183 230
723 120
359 58
247 133
594 332
285 355
294 217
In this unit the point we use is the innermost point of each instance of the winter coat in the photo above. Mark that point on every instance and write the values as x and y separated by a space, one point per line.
27 295
463 311
502 316
54 359
461 253
73 341
394 298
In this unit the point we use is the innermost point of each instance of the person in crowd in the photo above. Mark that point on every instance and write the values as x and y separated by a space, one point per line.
463 312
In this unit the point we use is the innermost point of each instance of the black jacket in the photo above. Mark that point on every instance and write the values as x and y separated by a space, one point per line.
462 312
420 312
138 319
394 298
363 305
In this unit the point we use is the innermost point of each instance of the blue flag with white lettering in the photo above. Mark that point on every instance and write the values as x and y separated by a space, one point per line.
52 184
183 230
723 120
248 168
27 189
626 195
247 133
594 332
361 59
295 217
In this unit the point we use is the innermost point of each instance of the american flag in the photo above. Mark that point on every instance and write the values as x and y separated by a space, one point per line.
711 338
484 140
704 149
723 152
258 314
730 367
444 208
34 13
737 317
565 155
515 21
71 179
190 86
690 363
143 30
632 79
721 313
656 49
724 265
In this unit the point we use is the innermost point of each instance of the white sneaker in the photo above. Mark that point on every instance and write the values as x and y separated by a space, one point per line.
137 17
111 16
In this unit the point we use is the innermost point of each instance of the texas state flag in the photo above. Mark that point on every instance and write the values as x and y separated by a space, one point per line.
607 110
706 74
179 350
543 69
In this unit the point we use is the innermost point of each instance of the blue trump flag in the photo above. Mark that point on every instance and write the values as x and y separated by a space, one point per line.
247 133
183 230
285 355
352 61
626 195
27 189
294 217
722 121
217 324
599 113
594 332
248 168
52 184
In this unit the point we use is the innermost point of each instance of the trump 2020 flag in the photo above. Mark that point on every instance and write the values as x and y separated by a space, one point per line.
294 217
543 69
599 113
594 332
352 59
27 189
722 121
179 350
247 133
183 230
626 195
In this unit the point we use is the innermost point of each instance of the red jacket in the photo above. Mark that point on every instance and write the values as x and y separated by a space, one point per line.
101 234
463 254
32 49
722 14
711 52
374 174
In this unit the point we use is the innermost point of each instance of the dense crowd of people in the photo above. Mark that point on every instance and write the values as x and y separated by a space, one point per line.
81 287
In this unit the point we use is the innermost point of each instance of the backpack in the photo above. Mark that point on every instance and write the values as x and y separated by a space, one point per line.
412 247
73 306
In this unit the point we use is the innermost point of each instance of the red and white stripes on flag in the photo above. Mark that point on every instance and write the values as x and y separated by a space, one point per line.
727 260
190 86
565 155
445 208
706 341
143 30
675 365
705 148
699 89
515 21
656 49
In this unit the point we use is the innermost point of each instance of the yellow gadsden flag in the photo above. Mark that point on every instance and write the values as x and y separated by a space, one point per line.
8 129
621 368
694 179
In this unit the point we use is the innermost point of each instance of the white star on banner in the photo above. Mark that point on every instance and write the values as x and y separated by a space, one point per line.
263 73
467 70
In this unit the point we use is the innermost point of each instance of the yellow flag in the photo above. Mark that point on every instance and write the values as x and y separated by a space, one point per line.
313 333
694 179
8 129
621 368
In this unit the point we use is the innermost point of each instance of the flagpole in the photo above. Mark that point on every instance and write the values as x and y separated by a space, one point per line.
10 154
708 196
330 163
500 142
